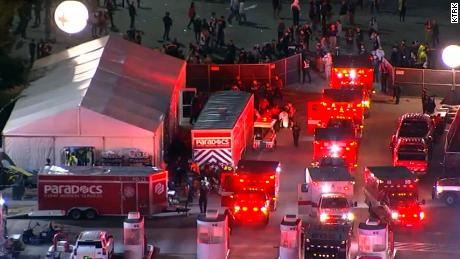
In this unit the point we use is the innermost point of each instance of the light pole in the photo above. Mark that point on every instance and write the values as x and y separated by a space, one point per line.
451 57
71 16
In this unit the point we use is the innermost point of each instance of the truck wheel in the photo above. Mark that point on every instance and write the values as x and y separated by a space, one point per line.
75 214
90 214
450 199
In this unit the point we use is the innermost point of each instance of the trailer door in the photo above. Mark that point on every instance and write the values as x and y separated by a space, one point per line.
314 115
129 197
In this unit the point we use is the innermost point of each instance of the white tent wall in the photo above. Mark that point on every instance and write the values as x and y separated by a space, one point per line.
61 142
29 152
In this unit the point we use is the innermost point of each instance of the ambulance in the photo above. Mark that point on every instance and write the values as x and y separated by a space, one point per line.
391 192
327 195
336 142
251 175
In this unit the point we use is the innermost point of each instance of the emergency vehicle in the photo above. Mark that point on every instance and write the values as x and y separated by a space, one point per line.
336 103
354 72
447 190
224 128
251 175
328 161
86 192
250 206
375 240
414 125
345 123
328 241
326 194
411 153
391 192
336 142
264 133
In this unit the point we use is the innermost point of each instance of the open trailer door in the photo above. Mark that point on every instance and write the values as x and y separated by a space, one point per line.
187 96
314 115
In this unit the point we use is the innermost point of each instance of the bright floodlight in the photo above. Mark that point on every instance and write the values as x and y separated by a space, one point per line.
451 56
71 16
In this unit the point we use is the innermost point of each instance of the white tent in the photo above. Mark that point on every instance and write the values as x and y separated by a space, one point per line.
108 93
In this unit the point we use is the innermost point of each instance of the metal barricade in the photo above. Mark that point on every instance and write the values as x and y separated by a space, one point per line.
216 77
435 81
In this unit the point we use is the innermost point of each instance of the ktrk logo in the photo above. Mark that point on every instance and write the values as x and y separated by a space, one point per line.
453 12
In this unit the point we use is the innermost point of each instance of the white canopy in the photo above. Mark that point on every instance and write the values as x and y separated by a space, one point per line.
107 87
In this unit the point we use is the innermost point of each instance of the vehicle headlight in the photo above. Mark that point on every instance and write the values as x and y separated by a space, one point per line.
350 216
422 215
439 189
323 217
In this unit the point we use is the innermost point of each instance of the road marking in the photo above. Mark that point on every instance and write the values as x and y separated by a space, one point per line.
428 247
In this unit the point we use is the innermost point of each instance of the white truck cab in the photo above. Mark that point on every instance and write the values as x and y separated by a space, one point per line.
327 194
94 244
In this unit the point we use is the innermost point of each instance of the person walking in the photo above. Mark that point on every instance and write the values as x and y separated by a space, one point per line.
167 23
276 4
242 12
220 32
306 70
435 33
428 31
203 200
191 15
132 14
234 11
37 12
384 74
32 50
402 5
424 101
397 93
110 10
295 8
197 27
327 59
296 134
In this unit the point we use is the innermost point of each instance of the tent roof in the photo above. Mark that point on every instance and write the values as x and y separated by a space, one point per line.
109 75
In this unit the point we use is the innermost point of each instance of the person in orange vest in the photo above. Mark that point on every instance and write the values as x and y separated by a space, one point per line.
306 70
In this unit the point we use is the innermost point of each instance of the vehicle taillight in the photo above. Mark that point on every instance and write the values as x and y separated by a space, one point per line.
352 143
255 209
267 181
272 177
394 215
236 208
339 75
245 208
241 180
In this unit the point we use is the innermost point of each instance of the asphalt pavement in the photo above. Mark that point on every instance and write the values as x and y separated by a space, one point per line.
261 26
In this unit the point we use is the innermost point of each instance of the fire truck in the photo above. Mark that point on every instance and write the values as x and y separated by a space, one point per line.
328 241
411 153
336 142
336 103
391 192
354 72
327 194
447 190
264 133
251 175
375 240
414 125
